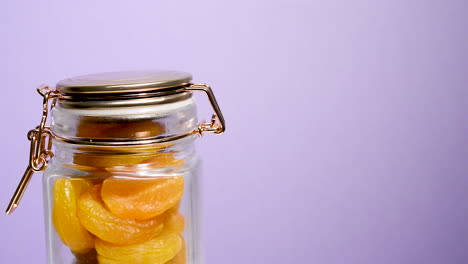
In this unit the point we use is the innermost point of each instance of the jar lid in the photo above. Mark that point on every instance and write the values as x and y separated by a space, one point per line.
123 82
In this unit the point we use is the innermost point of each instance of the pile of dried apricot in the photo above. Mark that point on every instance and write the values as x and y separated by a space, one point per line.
121 220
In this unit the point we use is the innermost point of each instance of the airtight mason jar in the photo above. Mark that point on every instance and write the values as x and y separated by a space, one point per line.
120 168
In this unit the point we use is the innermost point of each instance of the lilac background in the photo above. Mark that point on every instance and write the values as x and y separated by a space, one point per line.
346 138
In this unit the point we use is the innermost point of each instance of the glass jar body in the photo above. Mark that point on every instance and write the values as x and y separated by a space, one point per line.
123 204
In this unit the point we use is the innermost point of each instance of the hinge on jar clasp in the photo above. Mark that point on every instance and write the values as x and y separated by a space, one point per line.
217 124
40 149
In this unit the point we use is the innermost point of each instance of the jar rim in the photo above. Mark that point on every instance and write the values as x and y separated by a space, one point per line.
123 82
176 94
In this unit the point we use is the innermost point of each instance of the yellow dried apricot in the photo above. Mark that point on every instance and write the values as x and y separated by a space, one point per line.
66 192
181 257
102 223
158 250
141 198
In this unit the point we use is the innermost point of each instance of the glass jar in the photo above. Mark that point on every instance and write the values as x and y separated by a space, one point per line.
120 184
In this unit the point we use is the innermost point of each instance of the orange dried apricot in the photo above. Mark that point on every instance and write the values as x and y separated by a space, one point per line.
162 160
88 169
98 220
175 221
99 128
158 250
141 198
181 257
132 163
107 160
66 192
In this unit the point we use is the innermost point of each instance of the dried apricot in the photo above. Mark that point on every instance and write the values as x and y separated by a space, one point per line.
162 160
99 128
132 163
158 250
175 221
98 220
66 192
86 258
181 257
141 198
108 159
84 168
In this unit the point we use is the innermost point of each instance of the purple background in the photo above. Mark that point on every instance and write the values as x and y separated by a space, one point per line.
346 139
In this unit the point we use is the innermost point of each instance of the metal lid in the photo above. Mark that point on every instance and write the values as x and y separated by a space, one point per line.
123 82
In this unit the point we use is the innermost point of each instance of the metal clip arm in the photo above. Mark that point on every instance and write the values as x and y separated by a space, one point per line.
217 124
40 150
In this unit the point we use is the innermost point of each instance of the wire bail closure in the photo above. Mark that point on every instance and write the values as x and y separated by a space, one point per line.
40 150
41 137
217 124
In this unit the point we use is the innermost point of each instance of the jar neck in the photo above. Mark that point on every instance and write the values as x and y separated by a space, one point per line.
177 155
148 122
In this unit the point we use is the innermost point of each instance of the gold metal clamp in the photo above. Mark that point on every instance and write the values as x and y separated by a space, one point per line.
217 124
40 150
